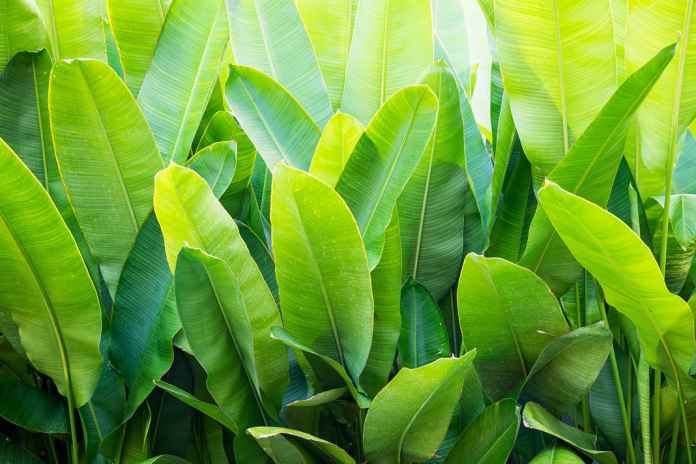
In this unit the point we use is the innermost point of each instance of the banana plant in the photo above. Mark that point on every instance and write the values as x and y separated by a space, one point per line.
298 232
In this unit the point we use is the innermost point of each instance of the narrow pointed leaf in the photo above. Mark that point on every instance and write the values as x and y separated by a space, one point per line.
277 441
40 257
106 155
321 266
536 417
179 82
210 410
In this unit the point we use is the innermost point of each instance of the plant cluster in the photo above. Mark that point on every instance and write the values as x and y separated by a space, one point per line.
261 231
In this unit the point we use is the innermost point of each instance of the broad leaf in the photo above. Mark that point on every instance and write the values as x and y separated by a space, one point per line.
43 277
216 163
287 446
329 24
276 123
217 325
431 205
321 266
383 161
378 62
669 109
490 437
31 408
450 37
75 28
558 64
190 216
423 336
337 142
556 455
136 26
24 122
629 276
107 158
22 30
509 315
144 318
386 290
176 88
589 170
269 35
409 417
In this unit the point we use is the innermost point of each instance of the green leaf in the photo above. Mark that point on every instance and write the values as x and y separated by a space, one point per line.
509 315
222 127
41 258
589 170
24 123
321 266
165 459
559 68
386 291
379 64
15 453
22 30
141 340
450 37
335 376
537 418
275 122
567 367
329 24
210 410
216 163
423 332
490 437
432 203
336 144
556 455
106 155
409 417
179 81
75 28
190 215
384 160
269 35
288 446
217 325
32 409
136 26
664 117
628 274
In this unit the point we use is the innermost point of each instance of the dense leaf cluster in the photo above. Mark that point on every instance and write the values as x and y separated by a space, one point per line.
288 231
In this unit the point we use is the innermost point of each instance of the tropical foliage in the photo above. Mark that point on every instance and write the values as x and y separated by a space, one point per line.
323 231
